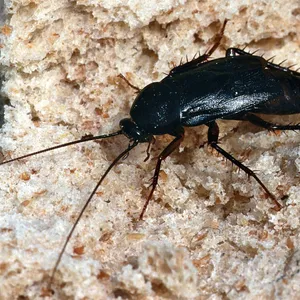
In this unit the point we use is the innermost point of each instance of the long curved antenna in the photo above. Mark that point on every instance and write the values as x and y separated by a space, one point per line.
84 208
82 140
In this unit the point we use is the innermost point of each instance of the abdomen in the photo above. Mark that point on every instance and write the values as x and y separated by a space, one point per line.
289 102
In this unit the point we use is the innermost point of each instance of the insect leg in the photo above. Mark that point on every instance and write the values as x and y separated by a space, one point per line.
234 51
163 155
193 64
213 134
270 126
217 41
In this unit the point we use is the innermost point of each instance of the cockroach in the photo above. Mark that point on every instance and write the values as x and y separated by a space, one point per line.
199 92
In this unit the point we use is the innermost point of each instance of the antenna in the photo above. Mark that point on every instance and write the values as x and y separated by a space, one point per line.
122 154
82 140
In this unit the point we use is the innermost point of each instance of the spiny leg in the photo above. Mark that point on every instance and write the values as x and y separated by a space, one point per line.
267 125
193 64
230 52
217 40
163 155
213 134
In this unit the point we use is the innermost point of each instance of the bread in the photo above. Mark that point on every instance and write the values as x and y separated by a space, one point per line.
208 232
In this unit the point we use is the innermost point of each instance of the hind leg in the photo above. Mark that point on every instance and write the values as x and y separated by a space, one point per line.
267 125
230 52
213 134
194 63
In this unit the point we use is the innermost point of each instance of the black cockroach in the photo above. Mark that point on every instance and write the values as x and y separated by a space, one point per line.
200 92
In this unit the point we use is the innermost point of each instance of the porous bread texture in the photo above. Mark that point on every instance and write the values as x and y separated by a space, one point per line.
161 265
208 232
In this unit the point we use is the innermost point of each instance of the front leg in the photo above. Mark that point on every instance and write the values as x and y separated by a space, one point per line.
163 155
213 134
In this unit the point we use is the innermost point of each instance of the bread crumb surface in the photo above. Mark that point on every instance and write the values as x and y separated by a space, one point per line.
208 232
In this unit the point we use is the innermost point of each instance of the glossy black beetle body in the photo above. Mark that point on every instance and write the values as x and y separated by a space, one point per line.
234 88
200 92
224 88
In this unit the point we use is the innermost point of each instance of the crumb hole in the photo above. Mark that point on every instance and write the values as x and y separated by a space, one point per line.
122 294
259 12
254 25
296 12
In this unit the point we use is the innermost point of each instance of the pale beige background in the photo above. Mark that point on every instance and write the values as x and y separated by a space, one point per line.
209 232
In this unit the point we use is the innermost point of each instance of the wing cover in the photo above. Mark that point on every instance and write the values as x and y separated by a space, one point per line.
224 87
